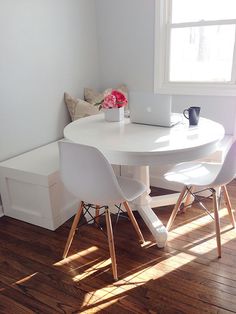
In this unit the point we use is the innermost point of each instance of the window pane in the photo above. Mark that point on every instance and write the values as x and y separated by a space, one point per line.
202 54
196 10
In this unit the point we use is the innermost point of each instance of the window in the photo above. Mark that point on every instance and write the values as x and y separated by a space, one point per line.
195 47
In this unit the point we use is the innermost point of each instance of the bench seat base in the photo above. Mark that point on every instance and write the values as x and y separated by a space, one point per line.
32 191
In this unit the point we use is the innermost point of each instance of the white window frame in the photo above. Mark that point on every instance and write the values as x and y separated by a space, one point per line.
161 59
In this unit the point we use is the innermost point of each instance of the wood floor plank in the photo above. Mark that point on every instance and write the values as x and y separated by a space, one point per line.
8 305
25 301
184 277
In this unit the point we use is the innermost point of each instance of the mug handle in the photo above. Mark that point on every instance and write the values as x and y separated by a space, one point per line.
185 110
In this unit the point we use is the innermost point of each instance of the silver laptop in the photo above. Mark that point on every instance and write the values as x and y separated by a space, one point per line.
153 109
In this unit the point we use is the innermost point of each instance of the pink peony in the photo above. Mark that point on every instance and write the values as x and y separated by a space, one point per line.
121 100
109 102
112 99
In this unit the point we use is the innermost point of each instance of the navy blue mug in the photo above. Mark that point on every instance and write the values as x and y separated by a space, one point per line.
192 114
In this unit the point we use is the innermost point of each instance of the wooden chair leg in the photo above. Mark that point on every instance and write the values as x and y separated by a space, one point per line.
134 222
188 199
217 222
176 208
97 214
111 243
228 205
72 230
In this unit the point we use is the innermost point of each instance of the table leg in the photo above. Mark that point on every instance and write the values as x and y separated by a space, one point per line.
143 205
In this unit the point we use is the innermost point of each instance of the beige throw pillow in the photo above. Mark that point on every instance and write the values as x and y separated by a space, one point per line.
94 97
91 96
79 108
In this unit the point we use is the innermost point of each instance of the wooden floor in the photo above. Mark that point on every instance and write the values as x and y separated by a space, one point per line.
185 277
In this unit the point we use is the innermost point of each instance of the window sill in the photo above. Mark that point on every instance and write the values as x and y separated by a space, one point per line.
196 89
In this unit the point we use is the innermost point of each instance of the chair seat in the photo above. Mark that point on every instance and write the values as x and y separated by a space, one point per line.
192 173
131 188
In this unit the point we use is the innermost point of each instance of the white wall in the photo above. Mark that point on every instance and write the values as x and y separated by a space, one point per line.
47 47
126 47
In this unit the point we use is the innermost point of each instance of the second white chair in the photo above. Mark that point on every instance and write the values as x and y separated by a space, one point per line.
206 175
87 174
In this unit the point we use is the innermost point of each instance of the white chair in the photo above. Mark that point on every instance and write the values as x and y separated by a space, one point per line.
87 174
206 175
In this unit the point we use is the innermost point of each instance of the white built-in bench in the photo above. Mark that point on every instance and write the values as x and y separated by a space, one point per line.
32 191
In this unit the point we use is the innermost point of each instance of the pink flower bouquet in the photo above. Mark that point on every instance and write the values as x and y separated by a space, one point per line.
113 99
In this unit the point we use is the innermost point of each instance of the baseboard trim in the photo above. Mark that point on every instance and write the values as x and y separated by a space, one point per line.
1 211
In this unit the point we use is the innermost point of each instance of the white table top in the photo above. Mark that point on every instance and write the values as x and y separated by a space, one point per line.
136 144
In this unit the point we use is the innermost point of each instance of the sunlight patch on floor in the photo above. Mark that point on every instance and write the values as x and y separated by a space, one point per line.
197 236
200 223
203 218
114 292
76 256
98 267
94 304
25 278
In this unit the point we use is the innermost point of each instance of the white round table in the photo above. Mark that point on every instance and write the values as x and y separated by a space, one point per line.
126 143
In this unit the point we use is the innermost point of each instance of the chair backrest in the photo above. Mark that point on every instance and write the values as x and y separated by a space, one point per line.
87 174
228 169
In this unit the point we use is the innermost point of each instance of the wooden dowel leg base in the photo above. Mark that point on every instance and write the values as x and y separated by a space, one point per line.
72 230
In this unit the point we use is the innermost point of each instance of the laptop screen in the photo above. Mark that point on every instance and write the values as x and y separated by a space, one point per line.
149 108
